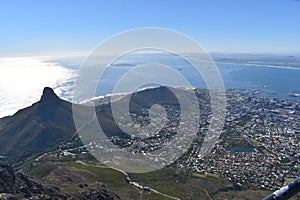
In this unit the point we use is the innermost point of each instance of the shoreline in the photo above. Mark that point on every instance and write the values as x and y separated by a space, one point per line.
260 93
258 65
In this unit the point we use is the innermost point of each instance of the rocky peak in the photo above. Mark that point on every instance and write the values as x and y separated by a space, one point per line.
48 104
49 95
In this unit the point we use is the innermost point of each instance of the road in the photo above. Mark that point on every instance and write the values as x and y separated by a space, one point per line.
134 184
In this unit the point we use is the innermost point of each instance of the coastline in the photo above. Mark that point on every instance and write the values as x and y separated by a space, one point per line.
258 65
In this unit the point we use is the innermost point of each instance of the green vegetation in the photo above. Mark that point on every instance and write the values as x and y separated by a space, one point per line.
154 196
253 141
288 180
265 151
67 175
105 175
209 177
43 169
179 183
175 182
235 142
162 180
244 119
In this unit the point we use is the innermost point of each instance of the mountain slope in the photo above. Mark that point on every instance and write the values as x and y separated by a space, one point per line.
37 128
15 185
49 122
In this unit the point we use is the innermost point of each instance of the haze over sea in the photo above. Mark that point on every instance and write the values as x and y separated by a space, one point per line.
31 75
22 80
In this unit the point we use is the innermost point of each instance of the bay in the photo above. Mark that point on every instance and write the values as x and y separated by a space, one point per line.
23 79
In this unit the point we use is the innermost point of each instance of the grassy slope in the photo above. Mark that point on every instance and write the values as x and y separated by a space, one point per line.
30 131
184 184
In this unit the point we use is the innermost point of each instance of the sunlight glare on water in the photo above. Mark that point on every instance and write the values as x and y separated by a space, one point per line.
22 81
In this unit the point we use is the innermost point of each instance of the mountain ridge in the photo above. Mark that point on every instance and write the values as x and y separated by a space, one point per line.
40 126
44 125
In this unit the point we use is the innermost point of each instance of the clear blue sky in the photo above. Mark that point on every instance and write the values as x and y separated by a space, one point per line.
54 26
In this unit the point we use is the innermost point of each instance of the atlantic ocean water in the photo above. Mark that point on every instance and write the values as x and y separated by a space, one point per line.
272 81
22 80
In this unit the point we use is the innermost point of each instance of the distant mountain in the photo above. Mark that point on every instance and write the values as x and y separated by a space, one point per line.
282 60
36 129
49 122
139 101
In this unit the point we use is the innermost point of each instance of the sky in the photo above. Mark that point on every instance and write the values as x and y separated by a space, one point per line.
54 27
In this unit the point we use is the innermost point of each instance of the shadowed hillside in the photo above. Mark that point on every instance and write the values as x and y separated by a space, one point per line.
36 129
49 122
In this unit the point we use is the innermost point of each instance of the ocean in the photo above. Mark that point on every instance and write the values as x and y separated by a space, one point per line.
23 79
